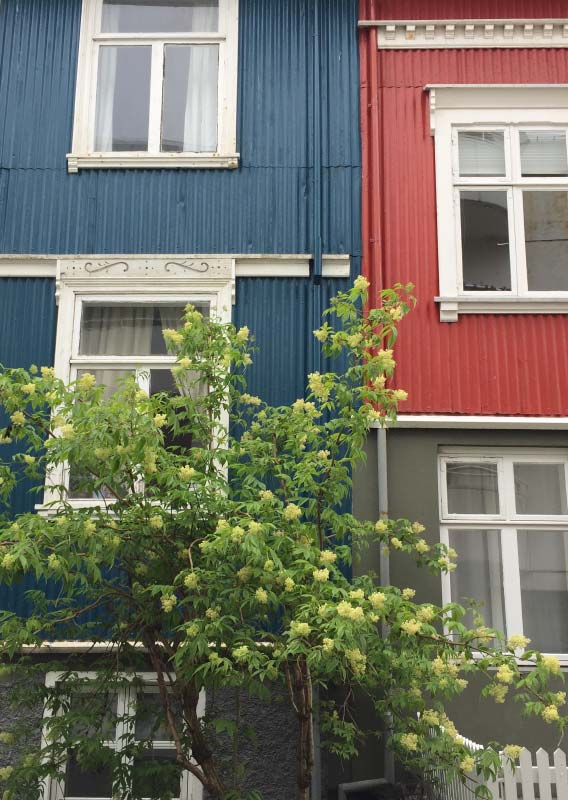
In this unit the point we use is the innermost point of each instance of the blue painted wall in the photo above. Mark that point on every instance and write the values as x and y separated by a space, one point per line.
298 79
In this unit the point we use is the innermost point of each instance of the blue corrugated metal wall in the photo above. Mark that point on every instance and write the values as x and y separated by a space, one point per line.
265 206
272 204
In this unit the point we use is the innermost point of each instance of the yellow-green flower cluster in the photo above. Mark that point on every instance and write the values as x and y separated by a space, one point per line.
409 741
292 512
318 387
299 628
186 472
357 660
346 610
518 642
169 602
411 626
320 575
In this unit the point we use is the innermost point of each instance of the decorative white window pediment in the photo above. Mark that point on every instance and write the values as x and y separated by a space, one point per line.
156 85
468 33
502 198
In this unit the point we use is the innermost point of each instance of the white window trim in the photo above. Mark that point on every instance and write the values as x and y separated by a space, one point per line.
83 155
507 520
483 107
190 787
156 279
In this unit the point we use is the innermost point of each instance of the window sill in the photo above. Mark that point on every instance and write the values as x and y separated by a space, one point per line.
452 307
77 161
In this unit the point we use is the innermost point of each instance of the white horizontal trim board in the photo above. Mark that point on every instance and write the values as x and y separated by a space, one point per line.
468 33
248 265
470 421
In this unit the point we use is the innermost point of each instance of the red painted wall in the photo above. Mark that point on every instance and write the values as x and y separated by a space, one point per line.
482 364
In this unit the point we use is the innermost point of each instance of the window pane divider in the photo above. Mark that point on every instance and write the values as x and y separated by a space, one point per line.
163 38
511 581
156 89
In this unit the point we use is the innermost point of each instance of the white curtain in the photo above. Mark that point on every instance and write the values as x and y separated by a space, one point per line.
200 124
106 82
479 573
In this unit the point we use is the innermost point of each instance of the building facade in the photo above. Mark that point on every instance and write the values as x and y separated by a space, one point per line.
465 176
157 153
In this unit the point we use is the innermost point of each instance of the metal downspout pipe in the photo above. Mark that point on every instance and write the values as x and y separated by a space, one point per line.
317 309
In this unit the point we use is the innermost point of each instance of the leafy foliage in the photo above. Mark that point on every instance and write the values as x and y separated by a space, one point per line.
221 562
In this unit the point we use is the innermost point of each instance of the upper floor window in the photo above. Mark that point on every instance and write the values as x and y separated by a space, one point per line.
156 84
505 512
502 195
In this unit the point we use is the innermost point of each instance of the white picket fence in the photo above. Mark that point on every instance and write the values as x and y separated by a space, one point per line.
528 780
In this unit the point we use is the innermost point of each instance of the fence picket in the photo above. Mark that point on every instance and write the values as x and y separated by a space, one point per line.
527 778
561 775
543 772
509 779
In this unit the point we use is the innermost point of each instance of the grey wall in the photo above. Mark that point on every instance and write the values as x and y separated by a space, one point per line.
413 494
269 758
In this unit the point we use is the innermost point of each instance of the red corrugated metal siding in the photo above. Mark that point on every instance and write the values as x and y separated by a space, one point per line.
483 364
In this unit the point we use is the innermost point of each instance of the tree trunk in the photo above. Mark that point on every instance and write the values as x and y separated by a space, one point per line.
303 704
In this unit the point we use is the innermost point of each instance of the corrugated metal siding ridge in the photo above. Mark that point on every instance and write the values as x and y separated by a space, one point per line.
483 364
462 9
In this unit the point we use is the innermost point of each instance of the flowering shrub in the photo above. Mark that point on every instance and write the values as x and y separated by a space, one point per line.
222 563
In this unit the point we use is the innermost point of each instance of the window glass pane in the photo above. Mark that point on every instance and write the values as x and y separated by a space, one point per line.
472 488
160 16
111 379
481 153
540 489
127 330
157 774
150 717
544 588
543 153
123 98
189 114
485 241
479 574
100 712
80 782
546 235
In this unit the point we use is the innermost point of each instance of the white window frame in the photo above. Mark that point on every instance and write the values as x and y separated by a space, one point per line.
508 108
157 280
190 787
83 154
507 520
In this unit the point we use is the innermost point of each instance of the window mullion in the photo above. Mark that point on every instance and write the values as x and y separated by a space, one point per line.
511 581
519 238
156 90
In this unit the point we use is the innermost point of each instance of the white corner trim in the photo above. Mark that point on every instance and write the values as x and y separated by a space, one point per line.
77 161
452 307
468 33
248 265
472 422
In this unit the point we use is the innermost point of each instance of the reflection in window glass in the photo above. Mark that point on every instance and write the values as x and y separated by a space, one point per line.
540 489
546 236
189 115
81 782
485 241
123 98
472 488
160 16
543 153
544 588
121 330
157 774
481 153
479 574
